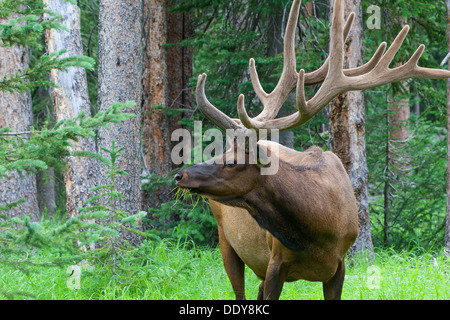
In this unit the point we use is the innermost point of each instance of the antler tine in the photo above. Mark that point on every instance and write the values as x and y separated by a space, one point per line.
210 111
317 76
336 57
382 74
272 102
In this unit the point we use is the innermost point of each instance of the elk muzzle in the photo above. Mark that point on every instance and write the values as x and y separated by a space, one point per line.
195 177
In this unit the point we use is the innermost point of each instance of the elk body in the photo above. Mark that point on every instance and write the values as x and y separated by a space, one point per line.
308 209
300 222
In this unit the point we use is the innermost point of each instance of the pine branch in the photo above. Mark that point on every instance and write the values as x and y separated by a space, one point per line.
32 77
46 147
18 133
25 24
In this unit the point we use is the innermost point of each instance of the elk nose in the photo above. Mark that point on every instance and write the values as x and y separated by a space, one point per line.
178 177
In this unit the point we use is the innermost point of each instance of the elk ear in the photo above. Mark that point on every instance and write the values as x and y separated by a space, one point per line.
264 156
268 158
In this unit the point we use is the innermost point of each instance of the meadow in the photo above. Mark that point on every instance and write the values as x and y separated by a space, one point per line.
171 271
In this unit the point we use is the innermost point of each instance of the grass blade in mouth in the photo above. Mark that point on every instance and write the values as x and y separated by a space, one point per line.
186 194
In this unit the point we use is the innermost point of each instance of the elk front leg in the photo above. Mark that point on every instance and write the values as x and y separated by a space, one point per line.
234 266
332 289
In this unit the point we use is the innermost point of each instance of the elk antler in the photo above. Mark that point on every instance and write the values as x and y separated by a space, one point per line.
336 80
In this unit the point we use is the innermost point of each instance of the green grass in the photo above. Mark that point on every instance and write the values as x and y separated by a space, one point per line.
173 271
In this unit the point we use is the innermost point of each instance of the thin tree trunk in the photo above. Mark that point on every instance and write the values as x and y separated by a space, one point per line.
70 98
120 80
398 112
45 182
387 182
447 227
16 112
348 131
397 116
416 106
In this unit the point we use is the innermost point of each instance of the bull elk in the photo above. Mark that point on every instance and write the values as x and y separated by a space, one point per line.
300 222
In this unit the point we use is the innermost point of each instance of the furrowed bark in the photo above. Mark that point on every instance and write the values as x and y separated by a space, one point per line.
120 80
16 112
167 71
348 131
70 98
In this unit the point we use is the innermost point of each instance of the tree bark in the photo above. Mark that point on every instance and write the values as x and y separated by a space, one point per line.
16 112
120 80
398 112
348 142
167 71
45 184
156 122
447 226
179 63
70 98
398 116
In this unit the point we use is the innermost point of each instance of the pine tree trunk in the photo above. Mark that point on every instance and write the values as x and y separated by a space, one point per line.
447 226
120 80
398 116
16 112
156 122
45 184
167 72
348 131
70 98
398 112
179 63
46 179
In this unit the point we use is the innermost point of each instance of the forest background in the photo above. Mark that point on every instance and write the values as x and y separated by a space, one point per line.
92 90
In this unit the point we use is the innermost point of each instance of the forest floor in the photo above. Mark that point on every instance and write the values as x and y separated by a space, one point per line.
167 271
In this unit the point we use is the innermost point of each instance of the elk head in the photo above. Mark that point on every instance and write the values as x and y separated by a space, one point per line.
230 180
221 178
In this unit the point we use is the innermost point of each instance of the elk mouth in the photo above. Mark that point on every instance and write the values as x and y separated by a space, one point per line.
184 189
194 191
188 190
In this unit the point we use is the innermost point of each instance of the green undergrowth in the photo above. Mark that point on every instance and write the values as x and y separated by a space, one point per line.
179 270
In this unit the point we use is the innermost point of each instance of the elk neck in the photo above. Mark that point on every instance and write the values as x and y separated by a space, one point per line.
276 202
